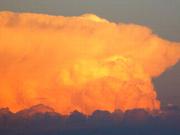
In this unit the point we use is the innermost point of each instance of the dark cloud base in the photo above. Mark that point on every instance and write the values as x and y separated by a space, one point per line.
42 120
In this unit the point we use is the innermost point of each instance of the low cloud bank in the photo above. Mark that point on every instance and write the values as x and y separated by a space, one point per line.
44 120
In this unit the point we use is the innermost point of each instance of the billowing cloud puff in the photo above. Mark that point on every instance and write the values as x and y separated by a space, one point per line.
79 63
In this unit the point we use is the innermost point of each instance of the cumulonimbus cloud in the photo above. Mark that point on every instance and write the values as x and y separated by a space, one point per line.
79 63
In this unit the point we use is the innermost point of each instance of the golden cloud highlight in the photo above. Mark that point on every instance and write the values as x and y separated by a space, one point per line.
80 63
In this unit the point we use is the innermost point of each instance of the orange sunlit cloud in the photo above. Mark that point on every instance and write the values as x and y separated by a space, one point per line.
80 63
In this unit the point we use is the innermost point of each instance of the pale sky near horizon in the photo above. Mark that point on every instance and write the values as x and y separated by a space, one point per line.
162 16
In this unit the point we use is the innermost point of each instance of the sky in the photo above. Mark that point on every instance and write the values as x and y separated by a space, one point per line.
162 16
